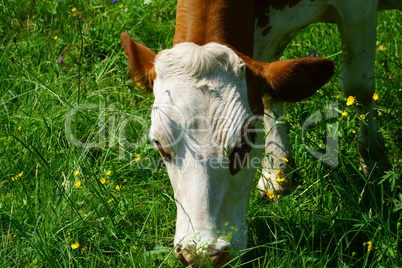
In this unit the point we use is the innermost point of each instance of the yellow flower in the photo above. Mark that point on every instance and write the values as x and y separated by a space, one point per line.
285 159
17 176
369 245
381 48
108 173
280 180
110 200
75 245
278 173
362 116
76 172
375 96
84 248
118 187
270 194
19 128
353 131
120 6
350 100
353 142
138 158
68 233
344 113
74 9
77 183
55 38
304 181
103 180
140 86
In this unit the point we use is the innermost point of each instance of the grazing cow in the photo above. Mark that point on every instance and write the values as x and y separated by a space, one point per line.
209 94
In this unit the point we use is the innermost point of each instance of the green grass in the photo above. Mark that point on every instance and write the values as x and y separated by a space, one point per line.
43 212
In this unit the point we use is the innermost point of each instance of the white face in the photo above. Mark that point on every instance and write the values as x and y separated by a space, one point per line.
203 126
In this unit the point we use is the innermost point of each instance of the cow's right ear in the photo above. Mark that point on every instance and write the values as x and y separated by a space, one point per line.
291 80
296 80
141 62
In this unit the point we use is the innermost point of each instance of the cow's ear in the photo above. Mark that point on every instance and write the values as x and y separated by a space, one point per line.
141 62
293 80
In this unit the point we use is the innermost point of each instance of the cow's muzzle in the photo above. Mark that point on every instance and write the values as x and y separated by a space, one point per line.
190 256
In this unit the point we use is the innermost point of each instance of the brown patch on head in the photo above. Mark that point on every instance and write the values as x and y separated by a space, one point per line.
254 93
239 156
141 62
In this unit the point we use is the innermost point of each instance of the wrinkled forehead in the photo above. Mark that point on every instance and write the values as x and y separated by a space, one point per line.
197 86
198 62
191 78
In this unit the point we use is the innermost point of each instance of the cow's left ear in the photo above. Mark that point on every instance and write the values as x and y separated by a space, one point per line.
141 62
293 80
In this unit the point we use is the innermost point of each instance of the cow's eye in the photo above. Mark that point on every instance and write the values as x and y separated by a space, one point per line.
167 157
156 142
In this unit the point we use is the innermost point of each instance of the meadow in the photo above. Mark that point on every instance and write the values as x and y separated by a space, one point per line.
81 185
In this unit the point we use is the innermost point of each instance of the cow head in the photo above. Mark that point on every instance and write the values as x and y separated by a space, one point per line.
205 127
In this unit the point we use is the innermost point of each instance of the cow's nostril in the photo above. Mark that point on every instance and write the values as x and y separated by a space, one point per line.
188 255
220 258
215 257
180 256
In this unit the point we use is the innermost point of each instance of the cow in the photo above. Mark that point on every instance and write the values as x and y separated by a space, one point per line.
217 84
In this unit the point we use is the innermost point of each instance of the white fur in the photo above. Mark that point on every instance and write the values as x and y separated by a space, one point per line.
200 107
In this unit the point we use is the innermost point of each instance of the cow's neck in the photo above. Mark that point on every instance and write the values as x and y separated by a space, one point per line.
228 22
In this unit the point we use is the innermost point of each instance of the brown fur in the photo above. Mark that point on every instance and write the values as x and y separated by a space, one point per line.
228 22
231 23
292 80
141 62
